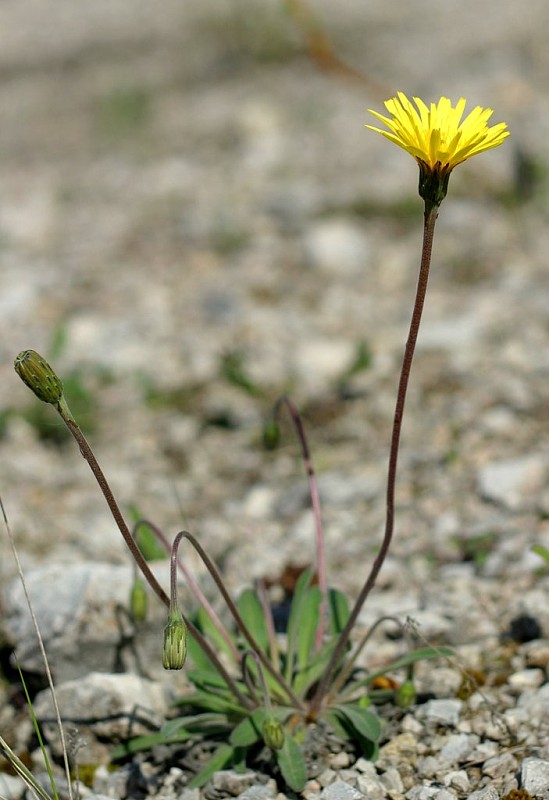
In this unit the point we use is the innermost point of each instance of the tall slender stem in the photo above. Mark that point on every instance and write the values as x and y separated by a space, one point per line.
430 217
88 454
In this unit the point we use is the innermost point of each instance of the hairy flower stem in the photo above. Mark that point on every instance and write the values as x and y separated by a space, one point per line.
88 454
430 217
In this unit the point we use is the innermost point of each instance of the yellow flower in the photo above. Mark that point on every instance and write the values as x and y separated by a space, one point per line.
438 138
436 135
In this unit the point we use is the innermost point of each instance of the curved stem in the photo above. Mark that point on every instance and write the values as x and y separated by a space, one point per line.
346 671
430 218
193 585
88 454
212 569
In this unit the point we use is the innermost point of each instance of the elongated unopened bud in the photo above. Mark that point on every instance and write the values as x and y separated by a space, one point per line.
139 601
273 733
174 650
39 376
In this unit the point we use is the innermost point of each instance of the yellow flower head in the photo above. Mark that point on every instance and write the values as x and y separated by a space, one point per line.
436 136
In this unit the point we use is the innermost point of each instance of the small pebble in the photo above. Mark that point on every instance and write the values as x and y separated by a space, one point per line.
458 780
442 712
339 790
534 775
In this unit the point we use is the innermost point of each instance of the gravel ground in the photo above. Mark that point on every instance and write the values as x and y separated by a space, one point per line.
185 191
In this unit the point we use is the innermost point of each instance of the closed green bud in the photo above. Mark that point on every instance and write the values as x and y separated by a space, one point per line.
139 601
39 376
174 650
271 434
364 701
273 733
405 695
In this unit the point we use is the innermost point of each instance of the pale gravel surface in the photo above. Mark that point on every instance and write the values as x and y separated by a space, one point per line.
226 219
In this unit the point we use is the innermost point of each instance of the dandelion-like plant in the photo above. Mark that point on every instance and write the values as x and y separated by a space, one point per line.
273 689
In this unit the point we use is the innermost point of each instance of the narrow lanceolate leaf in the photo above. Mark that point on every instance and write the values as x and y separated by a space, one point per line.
198 657
222 756
205 624
248 731
292 764
309 623
295 620
210 701
147 742
424 654
365 722
251 611
314 670
339 610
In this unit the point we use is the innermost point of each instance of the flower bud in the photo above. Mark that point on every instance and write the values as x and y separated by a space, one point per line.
39 376
139 601
405 695
271 434
174 650
273 733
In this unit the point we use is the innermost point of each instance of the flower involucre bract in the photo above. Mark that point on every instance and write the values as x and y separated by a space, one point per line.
437 135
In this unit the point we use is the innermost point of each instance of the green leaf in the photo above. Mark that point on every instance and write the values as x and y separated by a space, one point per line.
146 539
210 701
314 670
207 627
147 742
309 616
365 722
222 756
339 610
423 654
292 764
248 731
295 621
198 656
541 551
251 611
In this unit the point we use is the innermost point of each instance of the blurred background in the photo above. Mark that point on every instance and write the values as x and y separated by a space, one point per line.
193 220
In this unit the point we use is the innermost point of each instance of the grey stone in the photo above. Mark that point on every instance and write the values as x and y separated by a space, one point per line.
527 679
370 787
102 706
340 760
442 712
499 766
392 781
11 787
190 794
457 747
422 793
327 777
231 782
339 790
80 612
337 246
488 793
534 775
513 482
458 780
259 792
